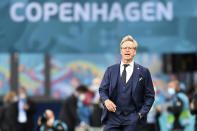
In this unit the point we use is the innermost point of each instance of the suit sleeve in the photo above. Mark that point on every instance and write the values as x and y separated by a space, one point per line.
32 107
149 94
68 113
104 87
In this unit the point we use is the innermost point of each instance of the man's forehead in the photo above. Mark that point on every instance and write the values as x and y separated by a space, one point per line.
127 43
171 84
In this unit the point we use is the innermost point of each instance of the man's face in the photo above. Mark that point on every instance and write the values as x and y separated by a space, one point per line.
49 114
127 50
171 88
22 91
171 85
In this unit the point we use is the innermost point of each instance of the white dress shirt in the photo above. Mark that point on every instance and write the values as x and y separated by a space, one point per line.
129 69
22 116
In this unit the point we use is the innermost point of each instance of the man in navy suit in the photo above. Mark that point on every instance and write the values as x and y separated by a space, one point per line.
126 91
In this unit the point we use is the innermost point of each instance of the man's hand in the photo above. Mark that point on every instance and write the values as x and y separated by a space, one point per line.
39 121
50 122
110 105
26 107
140 115
192 105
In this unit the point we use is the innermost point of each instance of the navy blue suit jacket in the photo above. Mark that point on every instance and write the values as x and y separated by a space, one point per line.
142 92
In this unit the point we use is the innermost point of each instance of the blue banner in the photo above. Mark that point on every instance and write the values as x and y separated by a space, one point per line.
97 26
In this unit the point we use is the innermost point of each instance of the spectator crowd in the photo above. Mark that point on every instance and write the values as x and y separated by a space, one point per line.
174 109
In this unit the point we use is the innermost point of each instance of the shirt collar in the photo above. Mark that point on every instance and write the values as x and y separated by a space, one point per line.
130 64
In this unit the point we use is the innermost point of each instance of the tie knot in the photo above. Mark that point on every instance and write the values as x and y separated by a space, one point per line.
125 65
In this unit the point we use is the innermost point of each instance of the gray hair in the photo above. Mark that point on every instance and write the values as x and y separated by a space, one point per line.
129 39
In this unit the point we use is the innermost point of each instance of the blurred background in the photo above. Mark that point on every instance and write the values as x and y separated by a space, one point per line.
53 49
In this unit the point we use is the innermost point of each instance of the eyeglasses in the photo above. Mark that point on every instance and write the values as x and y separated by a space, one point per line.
129 48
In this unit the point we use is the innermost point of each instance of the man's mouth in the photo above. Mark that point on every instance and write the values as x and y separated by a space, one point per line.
127 54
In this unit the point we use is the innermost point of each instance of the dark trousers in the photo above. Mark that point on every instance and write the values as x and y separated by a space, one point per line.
108 127
121 122
148 127
23 127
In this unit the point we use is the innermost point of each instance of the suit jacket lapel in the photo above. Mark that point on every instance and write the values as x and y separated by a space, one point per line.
136 71
115 75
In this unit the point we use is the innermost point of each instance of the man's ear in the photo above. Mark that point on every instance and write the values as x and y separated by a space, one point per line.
135 52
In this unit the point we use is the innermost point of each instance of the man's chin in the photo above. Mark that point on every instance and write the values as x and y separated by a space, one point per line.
128 59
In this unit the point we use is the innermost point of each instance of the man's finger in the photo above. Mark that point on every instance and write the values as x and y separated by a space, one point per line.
114 107
111 107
